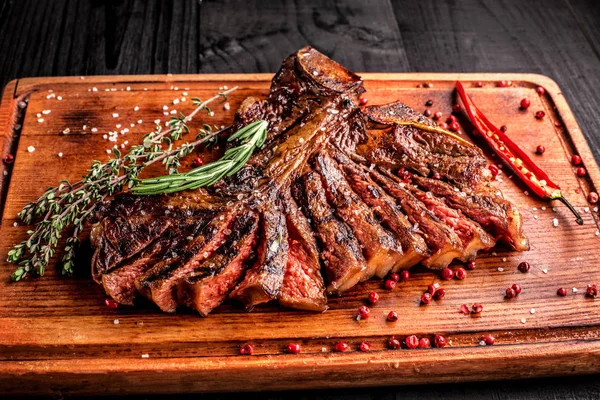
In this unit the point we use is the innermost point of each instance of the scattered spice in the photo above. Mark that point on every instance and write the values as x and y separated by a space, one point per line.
424 343
426 298
390 284
294 348
9 159
494 169
341 347
592 197
110 303
394 343
591 291
471 265
488 340
476 308
540 149
525 103
404 275
456 108
246 349
437 115
517 288
510 293
392 316
364 347
581 172
439 293
561 292
412 342
503 128
540 114
454 127
464 309
439 341
373 298
540 90
460 274
575 159
363 312
395 277
524 267
427 113
447 274
363 101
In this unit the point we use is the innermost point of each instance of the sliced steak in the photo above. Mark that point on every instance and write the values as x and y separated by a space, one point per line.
158 283
486 206
391 216
303 287
342 257
210 284
443 242
262 282
381 249
472 235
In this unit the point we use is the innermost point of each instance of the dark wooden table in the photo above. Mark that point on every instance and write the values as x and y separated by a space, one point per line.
557 38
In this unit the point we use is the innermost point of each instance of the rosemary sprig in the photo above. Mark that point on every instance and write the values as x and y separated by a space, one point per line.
251 137
69 204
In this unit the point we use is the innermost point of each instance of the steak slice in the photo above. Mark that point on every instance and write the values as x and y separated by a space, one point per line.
472 235
303 287
341 254
391 216
158 283
486 206
380 248
421 151
443 242
262 282
209 285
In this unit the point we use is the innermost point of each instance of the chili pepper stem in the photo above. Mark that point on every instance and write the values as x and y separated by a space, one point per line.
578 218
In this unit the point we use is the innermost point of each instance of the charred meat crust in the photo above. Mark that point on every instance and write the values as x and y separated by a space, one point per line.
318 208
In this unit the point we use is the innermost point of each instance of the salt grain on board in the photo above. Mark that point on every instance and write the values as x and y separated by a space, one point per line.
31 149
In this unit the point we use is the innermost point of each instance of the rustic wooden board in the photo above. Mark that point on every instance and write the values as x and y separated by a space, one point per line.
56 334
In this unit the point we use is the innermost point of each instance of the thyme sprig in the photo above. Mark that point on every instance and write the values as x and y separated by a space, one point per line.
250 137
69 204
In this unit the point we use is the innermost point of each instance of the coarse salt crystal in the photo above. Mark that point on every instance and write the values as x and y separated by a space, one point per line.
165 113
117 126
575 290
60 154
157 121
183 99
94 129
532 311
173 111
108 151
482 343
176 101
597 233
46 112
212 113
40 120
185 93
543 208
226 106
500 269
595 209
534 208
139 121
315 73
51 96
136 108
504 259
85 127
145 356
545 271
165 107
586 210
107 90
39 115
113 89
15 224
115 115
31 149
59 98
116 322
66 131
128 88
132 125
523 320
555 222
526 193
535 217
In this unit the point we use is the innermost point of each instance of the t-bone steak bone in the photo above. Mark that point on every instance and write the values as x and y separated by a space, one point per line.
337 194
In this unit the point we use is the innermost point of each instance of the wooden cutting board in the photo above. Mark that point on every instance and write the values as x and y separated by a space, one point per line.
57 335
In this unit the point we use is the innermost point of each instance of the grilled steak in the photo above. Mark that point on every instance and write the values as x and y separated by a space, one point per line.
336 195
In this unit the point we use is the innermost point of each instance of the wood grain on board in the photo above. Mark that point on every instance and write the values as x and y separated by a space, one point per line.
57 334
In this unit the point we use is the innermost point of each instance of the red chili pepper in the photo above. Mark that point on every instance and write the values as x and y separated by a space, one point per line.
535 178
